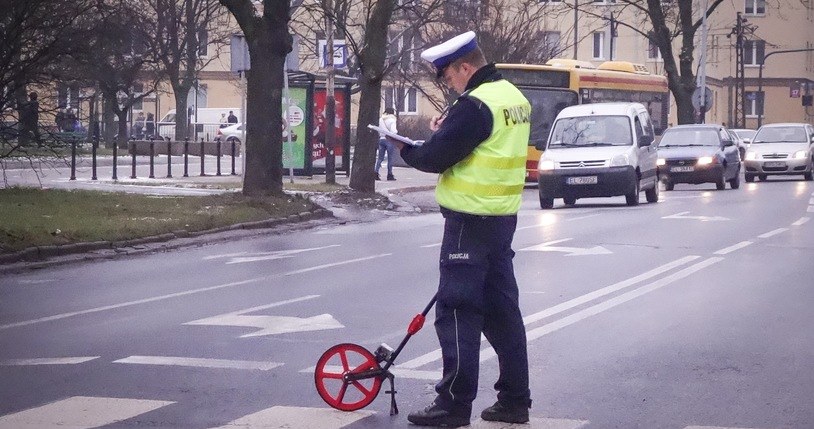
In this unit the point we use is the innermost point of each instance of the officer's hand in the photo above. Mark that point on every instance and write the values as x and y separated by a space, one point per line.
436 121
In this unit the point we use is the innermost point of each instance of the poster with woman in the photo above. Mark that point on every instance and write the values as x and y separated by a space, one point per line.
318 149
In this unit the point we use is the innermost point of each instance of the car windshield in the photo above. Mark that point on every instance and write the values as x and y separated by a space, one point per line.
586 131
690 137
781 135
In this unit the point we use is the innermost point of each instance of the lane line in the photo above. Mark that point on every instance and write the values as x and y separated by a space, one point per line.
772 233
534 422
299 417
48 361
336 264
135 302
810 209
546 329
801 221
199 362
80 412
733 248
559 308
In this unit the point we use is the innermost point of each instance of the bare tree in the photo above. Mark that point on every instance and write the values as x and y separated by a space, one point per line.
182 33
269 41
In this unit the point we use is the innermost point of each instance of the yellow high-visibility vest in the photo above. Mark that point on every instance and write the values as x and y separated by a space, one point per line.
490 180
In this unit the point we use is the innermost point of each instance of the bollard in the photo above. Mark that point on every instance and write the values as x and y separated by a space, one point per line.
133 164
152 158
217 141
169 158
186 156
73 159
234 147
202 157
93 157
115 159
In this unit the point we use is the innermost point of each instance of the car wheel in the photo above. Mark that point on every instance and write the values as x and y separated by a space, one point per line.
668 186
652 194
749 177
810 175
735 183
720 184
569 201
762 177
632 199
234 140
545 203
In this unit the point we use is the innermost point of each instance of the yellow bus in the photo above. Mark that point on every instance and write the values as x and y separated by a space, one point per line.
561 83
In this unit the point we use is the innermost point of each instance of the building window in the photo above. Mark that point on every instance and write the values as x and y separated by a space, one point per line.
599 45
753 52
755 7
550 1
605 1
203 43
653 51
404 101
551 41
754 103
67 96
404 49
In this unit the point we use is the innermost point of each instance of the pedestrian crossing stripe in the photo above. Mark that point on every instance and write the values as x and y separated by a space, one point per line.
79 412
199 362
299 417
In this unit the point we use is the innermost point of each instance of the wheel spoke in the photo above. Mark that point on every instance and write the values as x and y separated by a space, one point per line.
341 395
361 388
344 357
331 375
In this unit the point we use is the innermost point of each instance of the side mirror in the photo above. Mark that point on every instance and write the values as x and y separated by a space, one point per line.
728 143
645 140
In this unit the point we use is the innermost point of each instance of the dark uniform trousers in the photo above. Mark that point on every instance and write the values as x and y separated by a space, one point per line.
478 293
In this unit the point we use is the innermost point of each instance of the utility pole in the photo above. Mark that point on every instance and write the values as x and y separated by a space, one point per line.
740 100
614 24
702 67
330 103
576 27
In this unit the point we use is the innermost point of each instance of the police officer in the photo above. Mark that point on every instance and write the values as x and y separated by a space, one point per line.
479 149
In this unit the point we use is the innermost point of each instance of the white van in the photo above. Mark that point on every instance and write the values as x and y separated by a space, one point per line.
599 150
207 121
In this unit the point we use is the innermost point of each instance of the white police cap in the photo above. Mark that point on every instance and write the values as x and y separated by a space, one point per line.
446 53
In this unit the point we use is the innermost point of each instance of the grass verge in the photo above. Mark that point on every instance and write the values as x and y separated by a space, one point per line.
36 217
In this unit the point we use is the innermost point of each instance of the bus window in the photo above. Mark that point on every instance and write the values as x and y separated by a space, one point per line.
545 105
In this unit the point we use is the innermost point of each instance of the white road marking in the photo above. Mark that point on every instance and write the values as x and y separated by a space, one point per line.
775 232
199 362
715 427
335 264
241 257
801 221
571 251
271 325
536 423
136 302
810 209
733 248
47 361
431 245
398 372
79 412
683 215
559 308
546 329
299 417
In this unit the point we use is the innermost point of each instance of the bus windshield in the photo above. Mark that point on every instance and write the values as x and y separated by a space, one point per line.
545 105
583 131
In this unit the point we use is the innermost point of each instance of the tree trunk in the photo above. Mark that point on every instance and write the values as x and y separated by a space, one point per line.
122 140
371 63
181 117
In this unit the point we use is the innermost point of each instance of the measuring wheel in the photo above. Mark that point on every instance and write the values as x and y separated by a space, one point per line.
338 381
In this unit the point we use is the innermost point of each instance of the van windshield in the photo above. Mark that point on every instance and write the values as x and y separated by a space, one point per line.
587 131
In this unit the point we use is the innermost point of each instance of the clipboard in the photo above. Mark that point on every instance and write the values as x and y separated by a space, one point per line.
394 136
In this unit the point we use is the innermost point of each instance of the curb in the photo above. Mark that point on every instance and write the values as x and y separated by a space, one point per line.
38 255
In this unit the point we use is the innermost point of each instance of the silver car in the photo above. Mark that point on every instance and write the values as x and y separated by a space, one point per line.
781 149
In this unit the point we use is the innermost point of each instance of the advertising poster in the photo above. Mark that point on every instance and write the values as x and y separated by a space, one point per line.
294 155
318 149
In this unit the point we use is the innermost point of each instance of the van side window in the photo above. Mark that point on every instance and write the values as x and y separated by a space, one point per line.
646 125
637 124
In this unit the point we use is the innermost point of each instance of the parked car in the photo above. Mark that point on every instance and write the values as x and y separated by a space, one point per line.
599 150
745 134
231 133
781 149
698 154
739 143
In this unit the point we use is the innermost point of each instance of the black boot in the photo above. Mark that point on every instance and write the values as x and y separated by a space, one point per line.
391 177
434 415
377 177
506 414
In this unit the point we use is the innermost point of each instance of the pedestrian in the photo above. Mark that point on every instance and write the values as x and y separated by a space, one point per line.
29 121
232 118
224 121
149 124
388 122
479 149
139 125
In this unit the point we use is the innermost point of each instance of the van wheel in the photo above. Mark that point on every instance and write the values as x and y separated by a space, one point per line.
762 177
546 203
632 199
652 194
569 201
720 184
749 177
668 186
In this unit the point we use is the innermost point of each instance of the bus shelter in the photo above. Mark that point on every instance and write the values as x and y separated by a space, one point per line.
308 125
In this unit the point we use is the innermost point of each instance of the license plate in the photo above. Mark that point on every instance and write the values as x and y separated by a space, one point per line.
581 180
684 169
774 164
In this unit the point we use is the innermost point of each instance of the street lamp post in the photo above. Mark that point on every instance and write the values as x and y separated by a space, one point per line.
760 80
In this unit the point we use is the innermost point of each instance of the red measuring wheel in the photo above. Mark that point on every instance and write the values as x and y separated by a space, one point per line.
333 384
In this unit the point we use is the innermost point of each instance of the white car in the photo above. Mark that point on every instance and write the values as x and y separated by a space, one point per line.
231 133
781 149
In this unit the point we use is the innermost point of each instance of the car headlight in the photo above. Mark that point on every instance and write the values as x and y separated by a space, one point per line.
619 160
661 161
704 160
800 154
751 156
546 165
